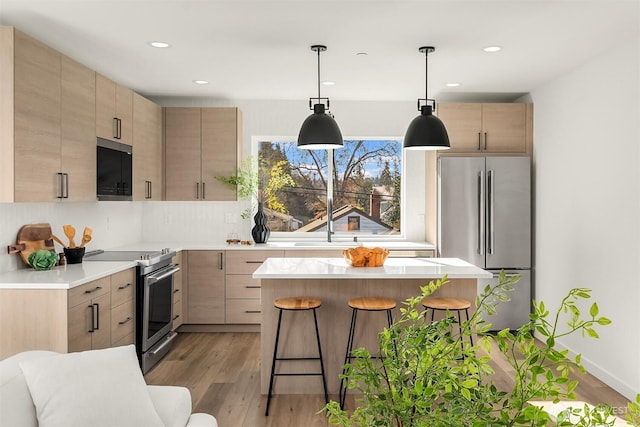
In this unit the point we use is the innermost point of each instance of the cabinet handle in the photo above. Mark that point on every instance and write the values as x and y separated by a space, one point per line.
61 179
175 291
66 185
197 190
254 262
479 141
220 263
97 317
485 140
127 320
252 286
97 288
115 127
124 286
203 196
150 190
252 311
92 308
119 129
175 317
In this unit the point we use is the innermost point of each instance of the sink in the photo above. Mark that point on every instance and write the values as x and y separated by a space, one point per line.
326 244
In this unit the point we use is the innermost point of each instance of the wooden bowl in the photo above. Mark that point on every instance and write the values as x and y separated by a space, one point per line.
365 257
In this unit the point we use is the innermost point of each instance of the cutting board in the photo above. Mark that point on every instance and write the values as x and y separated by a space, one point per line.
32 238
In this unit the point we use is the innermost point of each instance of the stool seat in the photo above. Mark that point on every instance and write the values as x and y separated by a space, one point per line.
446 303
372 303
297 303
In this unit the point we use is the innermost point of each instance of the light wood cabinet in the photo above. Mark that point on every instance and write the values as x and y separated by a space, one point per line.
47 134
206 289
147 149
178 292
123 311
77 129
242 302
89 318
114 111
488 128
201 143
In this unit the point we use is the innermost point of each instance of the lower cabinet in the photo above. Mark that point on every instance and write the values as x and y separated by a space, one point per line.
242 296
102 313
205 281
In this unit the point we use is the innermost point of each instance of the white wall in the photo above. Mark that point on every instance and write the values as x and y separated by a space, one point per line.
587 163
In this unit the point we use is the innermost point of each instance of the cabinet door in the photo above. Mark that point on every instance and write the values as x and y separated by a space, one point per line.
147 149
36 120
221 137
464 125
105 107
205 281
79 327
124 112
504 128
77 127
182 165
89 324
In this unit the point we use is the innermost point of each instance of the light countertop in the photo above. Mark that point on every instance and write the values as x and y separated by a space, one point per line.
337 268
62 277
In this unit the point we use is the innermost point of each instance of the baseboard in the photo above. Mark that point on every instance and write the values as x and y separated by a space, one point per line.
219 328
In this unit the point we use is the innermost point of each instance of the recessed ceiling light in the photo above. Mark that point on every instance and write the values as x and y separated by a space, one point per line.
201 82
159 44
453 84
328 83
492 49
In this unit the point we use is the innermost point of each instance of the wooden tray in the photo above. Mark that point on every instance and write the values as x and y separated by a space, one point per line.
32 238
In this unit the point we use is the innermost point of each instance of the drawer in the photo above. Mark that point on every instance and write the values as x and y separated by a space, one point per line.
123 287
122 320
126 340
243 311
84 293
177 314
246 262
242 286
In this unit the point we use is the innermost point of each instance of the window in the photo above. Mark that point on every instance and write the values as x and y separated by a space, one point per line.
366 187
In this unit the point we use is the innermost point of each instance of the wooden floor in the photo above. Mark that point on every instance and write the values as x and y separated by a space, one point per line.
222 371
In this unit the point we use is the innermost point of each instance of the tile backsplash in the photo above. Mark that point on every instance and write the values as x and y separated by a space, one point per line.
116 224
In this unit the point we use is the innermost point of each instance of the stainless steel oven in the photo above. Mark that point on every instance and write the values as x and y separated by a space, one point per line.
155 308
154 300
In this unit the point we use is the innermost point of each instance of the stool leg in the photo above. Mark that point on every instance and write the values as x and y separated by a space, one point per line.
347 357
389 317
273 363
324 381
433 314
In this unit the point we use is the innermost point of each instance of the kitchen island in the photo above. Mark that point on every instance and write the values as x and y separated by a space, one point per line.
335 282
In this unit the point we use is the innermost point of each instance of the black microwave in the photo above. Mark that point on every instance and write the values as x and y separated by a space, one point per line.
114 168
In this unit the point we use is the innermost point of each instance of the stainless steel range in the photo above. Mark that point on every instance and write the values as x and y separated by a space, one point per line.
154 300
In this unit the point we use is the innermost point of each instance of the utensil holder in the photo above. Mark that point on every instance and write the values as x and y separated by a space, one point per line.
74 255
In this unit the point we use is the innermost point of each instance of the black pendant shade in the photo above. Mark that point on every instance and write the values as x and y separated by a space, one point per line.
319 131
426 132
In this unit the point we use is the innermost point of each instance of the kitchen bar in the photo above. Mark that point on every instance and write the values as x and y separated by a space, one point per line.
335 282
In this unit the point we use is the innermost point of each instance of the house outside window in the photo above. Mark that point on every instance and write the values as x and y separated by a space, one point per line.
367 178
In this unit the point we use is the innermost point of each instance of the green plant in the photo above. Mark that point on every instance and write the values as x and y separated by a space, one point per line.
430 375
247 182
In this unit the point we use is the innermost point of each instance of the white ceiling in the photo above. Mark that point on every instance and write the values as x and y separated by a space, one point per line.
261 49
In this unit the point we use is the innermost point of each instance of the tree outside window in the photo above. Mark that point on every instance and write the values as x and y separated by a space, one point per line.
367 183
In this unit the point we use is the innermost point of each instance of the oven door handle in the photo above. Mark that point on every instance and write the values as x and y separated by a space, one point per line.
162 274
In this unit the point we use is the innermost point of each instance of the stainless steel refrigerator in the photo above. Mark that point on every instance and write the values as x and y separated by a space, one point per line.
485 219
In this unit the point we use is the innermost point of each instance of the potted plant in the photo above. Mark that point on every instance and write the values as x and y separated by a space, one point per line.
430 376
259 188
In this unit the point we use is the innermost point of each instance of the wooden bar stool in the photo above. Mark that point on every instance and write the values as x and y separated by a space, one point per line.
366 304
448 304
296 304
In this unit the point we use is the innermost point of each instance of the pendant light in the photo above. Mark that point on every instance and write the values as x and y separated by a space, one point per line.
426 132
319 131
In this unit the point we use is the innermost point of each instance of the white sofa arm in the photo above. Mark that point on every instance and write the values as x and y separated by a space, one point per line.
173 405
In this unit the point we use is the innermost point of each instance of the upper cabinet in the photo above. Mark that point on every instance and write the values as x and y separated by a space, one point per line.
488 128
47 134
147 149
201 143
114 111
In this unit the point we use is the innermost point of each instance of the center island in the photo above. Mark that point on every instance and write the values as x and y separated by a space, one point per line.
335 282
